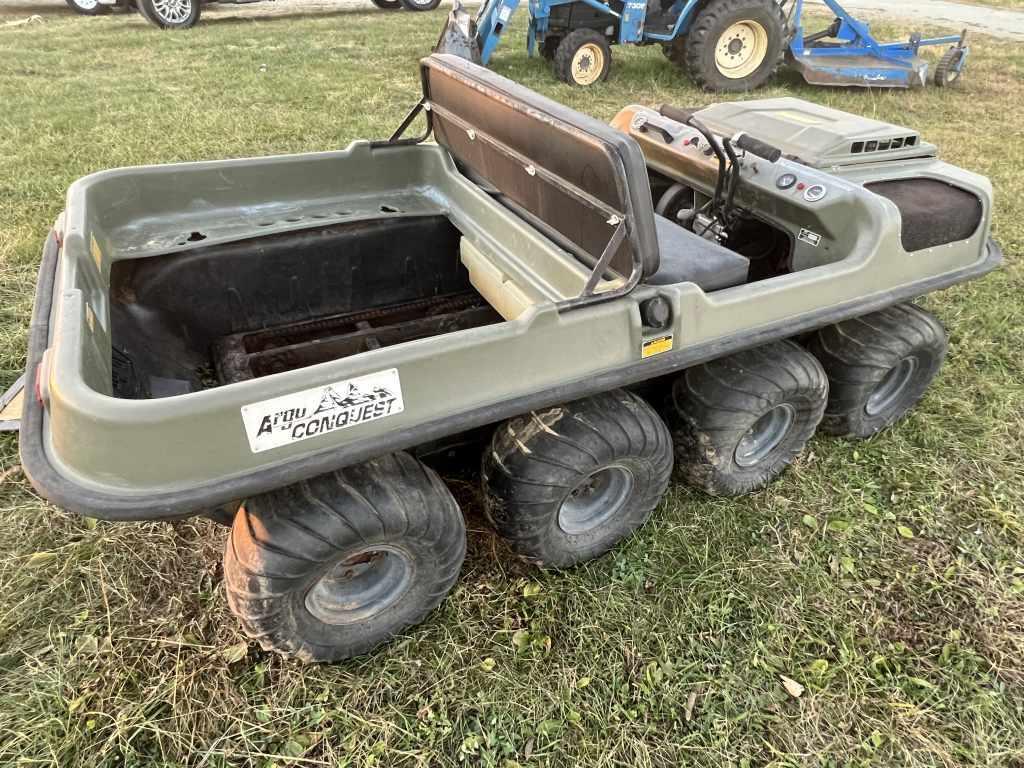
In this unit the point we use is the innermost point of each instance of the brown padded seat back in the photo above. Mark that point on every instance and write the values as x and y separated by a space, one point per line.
471 104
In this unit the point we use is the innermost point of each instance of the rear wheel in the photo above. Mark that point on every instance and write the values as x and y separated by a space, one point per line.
739 421
329 568
733 45
878 366
87 7
171 14
566 484
387 5
583 57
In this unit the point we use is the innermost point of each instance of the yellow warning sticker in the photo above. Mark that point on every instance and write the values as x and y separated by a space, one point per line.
97 254
656 346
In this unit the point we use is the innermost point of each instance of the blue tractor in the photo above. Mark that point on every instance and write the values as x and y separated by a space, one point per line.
725 45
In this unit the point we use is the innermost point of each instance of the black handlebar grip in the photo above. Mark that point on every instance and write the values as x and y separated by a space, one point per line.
678 114
757 147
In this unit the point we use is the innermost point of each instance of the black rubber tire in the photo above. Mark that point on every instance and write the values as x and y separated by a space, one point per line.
566 51
857 355
695 52
283 542
94 10
713 406
420 5
549 47
536 461
946 72
388 5
148 10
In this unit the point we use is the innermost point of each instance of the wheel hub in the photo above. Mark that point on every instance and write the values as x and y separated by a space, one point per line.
587 64
741 49
891 387
173 11
362 585
597 499
765 435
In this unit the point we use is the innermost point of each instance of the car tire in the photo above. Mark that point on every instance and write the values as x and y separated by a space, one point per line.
87 7
388 5
567 484
583 58
420 5
171 14
332 567
878 367
757 28
739 421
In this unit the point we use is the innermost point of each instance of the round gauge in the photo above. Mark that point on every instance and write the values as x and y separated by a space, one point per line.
785 181
814 193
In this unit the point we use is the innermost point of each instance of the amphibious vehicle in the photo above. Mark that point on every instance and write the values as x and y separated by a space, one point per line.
283 343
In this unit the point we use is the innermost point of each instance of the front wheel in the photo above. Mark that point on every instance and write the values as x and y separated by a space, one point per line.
733 45
331 567
86 7
170 14
420 5
583 57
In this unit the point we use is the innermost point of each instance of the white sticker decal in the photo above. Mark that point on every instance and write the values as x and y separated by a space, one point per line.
317 411
811 238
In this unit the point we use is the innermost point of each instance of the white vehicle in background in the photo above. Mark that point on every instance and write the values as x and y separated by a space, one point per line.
183 14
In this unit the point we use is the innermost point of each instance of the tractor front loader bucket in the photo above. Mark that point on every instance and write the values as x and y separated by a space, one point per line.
459 36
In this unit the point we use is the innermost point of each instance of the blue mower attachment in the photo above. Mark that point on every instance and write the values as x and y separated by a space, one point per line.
846 53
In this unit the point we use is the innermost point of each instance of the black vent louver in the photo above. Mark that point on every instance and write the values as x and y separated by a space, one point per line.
882 145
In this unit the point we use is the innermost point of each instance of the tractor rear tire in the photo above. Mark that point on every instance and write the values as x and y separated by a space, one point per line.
878 367
583 58
329 568
739 421
732 45
566 484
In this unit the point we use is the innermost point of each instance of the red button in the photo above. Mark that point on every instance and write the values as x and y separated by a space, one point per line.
801 185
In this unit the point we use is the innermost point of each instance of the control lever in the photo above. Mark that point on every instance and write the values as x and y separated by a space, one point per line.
678 114
762 149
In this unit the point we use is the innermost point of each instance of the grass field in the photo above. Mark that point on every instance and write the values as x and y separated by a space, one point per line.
887 577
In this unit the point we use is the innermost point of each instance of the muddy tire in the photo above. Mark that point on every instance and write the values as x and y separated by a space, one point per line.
330 568
739 421
732 45
583 57
878 367
565 485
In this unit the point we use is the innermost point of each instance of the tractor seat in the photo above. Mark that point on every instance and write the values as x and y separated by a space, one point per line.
689 258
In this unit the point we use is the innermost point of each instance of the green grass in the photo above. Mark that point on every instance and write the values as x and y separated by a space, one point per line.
117 647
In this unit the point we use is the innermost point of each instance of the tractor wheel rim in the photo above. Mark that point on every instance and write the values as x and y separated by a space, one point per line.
173 11
587 64
765 436
741 49
362 585
599 497
891 387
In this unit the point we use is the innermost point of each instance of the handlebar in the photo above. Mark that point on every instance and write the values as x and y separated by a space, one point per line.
762 149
